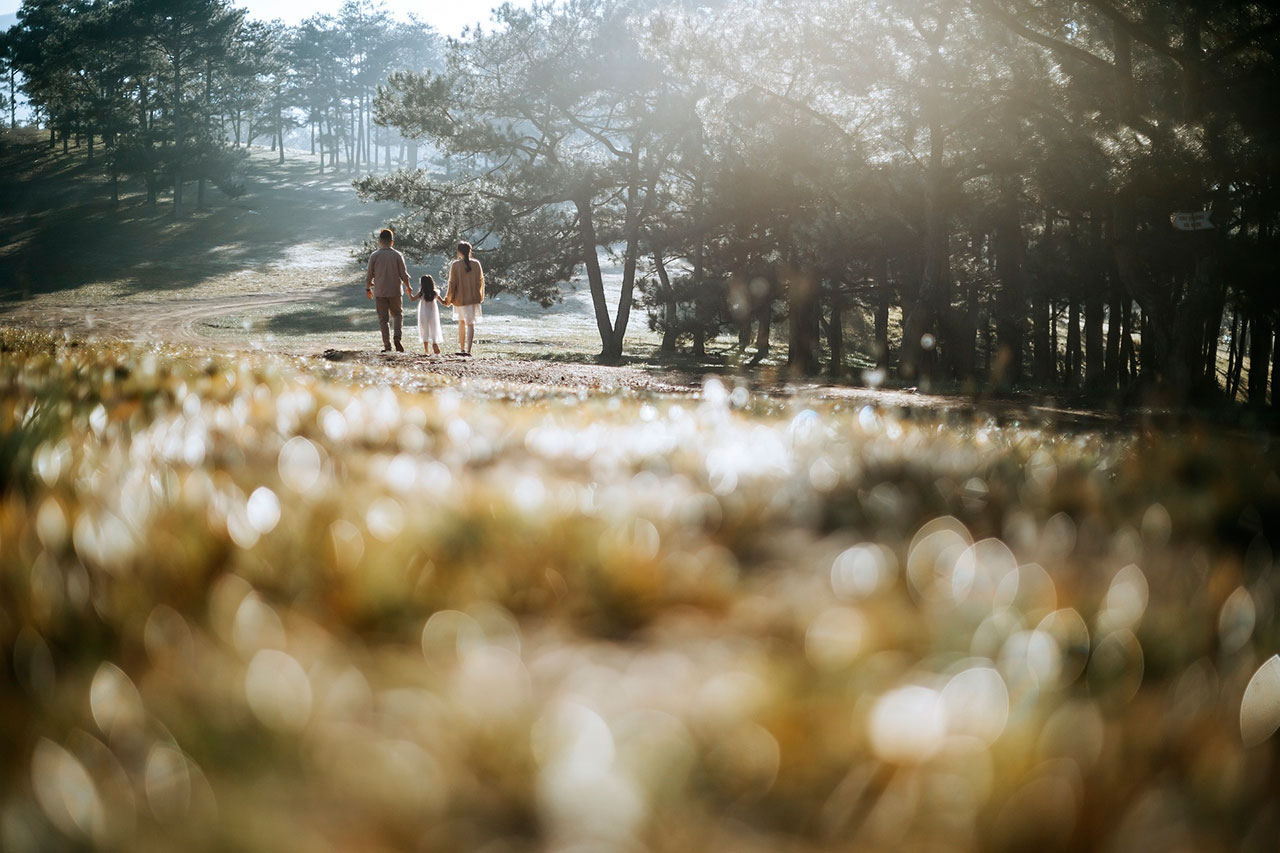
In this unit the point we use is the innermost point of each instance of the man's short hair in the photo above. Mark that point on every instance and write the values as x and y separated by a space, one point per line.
386 235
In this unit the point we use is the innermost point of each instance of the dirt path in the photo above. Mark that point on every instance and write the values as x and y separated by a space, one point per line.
144 321
496 371
188 322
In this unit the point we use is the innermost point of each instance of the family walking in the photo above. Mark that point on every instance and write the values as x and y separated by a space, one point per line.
387 273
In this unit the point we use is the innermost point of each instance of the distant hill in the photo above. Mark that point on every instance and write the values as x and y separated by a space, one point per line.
58 205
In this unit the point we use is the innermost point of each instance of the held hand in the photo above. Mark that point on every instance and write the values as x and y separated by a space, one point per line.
368 292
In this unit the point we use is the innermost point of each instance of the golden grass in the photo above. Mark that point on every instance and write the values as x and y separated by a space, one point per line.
256 602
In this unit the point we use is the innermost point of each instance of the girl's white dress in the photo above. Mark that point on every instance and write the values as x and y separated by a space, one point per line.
429 321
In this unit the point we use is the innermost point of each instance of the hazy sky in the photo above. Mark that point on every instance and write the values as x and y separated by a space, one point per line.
447 16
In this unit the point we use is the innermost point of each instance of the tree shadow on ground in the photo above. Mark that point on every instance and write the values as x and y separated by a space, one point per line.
64 232
323 314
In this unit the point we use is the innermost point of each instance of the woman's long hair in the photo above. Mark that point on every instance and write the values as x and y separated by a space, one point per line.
427 287
464 249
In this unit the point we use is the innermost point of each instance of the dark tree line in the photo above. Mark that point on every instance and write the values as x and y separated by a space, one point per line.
169 92
981 190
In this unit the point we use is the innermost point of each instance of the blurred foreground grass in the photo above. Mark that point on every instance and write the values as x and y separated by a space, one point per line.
270 603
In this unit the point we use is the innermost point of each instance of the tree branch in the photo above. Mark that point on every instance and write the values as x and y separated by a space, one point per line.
1140 33
801 106
1056 45
1240 42
595 134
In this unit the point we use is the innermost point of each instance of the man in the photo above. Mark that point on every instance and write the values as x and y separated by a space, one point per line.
381 284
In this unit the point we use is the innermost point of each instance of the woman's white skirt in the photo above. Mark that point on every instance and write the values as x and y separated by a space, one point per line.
468 313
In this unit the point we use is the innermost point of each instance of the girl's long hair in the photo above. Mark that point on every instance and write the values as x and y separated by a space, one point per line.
464 249
427 287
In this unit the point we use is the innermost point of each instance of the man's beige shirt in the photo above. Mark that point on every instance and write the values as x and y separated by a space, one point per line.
387 266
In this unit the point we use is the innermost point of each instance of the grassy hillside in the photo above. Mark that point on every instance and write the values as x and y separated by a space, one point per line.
64 234
71 258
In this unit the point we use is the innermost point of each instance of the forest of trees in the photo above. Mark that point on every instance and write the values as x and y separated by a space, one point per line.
172 90
991 184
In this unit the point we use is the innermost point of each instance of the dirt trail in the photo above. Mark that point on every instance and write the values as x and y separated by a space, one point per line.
187 321
144 321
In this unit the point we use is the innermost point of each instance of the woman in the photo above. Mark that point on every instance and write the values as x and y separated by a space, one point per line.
465 293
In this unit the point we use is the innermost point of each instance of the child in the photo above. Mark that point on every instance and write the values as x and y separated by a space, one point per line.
428 314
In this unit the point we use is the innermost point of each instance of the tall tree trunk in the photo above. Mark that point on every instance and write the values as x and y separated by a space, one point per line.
321 125
1045 343
987 333
1111 370
1234 353
1073 344
745 313
764 321
882 310
1011 300
1237 370
1054 342
595 279
629 261
357 122
669 306
1127 369
177 134
1148 362
1094 366
280 119
1259 358
1096 281
1275 370
1213 321
933 299
208 116
353 139
835 337
964 363
803 323
699 280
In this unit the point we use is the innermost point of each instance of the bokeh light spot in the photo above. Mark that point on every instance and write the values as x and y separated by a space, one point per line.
907 724
278 690
1260 707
